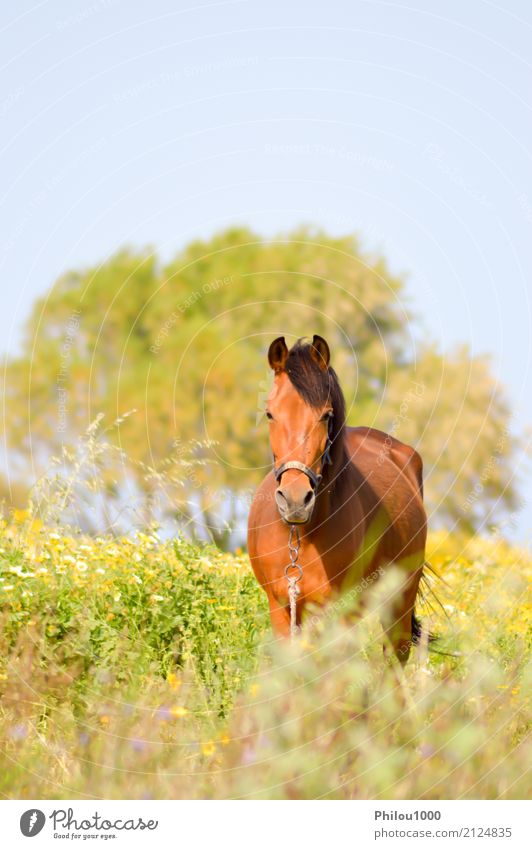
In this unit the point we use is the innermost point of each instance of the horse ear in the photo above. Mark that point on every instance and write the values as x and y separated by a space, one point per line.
277 354
320 352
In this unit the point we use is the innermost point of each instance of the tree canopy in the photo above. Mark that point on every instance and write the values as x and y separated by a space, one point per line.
184 345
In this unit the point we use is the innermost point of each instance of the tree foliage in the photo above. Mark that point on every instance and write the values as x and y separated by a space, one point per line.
184 345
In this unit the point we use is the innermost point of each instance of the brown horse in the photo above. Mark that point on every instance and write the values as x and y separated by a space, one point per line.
354 494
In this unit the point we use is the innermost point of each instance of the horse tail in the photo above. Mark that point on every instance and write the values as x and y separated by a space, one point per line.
427 595
417 627
417 631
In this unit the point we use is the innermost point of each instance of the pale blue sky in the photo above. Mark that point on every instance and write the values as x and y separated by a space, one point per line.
154 122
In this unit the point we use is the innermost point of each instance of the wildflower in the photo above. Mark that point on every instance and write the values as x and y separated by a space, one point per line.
18 732
104 720
173 681
426 750
254 689
178 711
248 755
20 516
208 748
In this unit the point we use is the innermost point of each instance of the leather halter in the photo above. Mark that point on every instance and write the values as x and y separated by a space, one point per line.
311 475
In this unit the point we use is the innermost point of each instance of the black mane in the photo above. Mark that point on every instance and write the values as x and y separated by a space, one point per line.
318 387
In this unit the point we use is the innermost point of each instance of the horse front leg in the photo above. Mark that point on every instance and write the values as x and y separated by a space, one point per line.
279 617
397 619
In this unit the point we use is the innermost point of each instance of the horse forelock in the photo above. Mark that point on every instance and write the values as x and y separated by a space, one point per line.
318 387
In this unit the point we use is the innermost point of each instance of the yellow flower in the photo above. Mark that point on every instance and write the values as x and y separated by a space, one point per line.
208 748
225 739
20 516
104 720
254 689
178 711
173 681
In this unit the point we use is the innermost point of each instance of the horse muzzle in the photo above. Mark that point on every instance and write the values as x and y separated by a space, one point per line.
295 503
294 509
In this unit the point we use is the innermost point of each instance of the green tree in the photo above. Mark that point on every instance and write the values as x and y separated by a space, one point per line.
184 345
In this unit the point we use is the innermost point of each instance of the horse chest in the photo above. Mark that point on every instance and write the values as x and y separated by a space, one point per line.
316 583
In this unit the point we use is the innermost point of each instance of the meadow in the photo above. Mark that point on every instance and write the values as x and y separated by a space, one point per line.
142 668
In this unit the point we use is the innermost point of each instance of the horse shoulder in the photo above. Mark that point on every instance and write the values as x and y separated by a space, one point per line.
261 519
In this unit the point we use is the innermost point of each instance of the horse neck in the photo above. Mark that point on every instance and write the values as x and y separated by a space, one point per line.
335 476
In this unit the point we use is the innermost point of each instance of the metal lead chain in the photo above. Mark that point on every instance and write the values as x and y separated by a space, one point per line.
293 579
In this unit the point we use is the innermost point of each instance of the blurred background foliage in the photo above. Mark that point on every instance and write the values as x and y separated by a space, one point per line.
184 345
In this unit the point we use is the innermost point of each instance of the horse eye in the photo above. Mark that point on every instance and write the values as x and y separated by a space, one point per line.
327 416
269 415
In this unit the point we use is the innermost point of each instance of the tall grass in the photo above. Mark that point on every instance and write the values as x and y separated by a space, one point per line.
138 668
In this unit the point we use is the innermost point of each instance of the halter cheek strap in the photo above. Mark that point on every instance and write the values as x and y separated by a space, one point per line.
310 473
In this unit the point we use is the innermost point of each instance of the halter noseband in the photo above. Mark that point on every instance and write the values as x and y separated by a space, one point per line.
311 475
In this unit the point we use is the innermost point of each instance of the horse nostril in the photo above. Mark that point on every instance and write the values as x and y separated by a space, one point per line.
308 498
280 499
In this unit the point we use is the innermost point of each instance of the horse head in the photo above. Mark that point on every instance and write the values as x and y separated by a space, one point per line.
300 411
